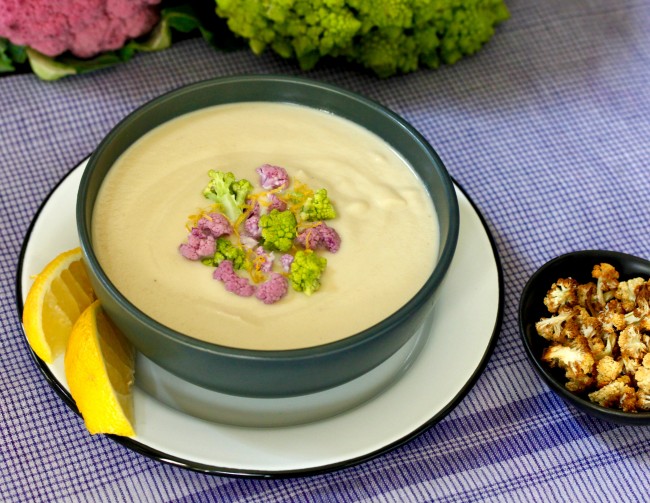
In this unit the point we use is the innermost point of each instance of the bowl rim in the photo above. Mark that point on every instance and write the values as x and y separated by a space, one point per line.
360 338
582 403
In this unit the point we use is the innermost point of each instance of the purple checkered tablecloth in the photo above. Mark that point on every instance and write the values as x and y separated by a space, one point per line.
547 129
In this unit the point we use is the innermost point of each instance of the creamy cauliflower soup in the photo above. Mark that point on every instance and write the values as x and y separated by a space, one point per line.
388 230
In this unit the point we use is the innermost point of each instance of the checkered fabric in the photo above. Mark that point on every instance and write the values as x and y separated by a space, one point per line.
548 131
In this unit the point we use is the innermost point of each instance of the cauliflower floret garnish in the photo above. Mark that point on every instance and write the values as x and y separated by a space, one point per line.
320 236
273 289
234 283
306 271
272 177
278 230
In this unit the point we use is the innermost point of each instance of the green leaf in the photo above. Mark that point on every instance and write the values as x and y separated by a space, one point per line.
10 56
18 53
47 68
6 65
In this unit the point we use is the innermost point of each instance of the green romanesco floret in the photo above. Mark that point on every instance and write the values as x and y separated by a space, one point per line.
228 192
318 207
304 29
385 36
226 250
279 229
306 270
466 25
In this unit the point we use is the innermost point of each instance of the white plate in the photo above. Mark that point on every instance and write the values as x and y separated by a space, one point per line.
430 386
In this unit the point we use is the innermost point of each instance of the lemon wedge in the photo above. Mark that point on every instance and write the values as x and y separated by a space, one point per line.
55 300
99 367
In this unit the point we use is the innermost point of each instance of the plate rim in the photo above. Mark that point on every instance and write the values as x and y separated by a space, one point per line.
167 458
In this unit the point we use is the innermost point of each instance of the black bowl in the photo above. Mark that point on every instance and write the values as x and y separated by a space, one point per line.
577 265
271 373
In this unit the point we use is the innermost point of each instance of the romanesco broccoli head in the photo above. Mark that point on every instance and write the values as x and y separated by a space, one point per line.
279 229
385 36
228 192
306 270
318 207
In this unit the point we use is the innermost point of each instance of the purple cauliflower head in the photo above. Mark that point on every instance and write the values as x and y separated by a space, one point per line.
83 27
273 289
234 283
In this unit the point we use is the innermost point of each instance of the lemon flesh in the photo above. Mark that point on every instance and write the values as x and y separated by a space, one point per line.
54 302
99 367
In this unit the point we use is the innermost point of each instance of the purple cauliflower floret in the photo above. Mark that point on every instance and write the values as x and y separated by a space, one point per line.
234 283
215 224
252 222
263 260
201 242
252 226
275 203
273 289
320 236
272 177
199 245
248 242
285 261
256 210
84 28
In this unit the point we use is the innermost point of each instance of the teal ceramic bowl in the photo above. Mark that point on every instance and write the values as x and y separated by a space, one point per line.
257 373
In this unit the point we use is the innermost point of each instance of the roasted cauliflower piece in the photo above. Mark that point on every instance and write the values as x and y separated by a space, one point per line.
599 334
618 394
564 292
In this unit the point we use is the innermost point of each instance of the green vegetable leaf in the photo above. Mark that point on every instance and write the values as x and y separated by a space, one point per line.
47 68
10 56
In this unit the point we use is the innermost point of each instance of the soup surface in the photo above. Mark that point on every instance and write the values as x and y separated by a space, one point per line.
389 235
